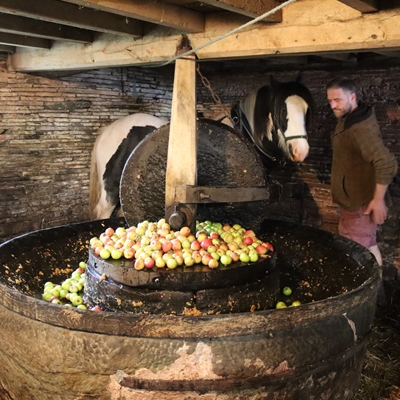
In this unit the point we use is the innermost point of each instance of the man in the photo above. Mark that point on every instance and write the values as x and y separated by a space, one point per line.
362 167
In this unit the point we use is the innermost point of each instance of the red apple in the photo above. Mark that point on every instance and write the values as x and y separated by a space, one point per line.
149 262
213 263
261 249
166 246
176 244
195 245
206 243
247 240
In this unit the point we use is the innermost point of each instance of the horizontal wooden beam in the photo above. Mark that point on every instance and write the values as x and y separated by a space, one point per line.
32 27
250 9
157 12
364 6
73 15
308 27
24 41
7 49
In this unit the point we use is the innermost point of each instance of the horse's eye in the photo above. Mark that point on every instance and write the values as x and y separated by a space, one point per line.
284 108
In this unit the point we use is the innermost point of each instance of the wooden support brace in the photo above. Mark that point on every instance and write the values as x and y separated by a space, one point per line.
182 151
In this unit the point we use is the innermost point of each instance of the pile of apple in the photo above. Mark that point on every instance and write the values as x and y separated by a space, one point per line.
70 291
155 245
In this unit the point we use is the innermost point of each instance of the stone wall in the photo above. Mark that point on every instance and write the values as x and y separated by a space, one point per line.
49 122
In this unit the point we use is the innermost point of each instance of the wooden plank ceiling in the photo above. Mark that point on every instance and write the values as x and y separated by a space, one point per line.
76 34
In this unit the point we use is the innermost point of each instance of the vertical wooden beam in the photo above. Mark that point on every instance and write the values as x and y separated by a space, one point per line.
182 149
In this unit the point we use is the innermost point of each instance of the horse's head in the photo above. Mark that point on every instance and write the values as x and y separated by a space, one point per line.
278 117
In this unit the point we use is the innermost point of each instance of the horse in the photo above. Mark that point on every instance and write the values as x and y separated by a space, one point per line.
275 118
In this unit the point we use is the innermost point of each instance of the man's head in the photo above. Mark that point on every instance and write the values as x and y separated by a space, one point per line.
342 96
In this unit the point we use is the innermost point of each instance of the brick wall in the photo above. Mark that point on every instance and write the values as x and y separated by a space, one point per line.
48 125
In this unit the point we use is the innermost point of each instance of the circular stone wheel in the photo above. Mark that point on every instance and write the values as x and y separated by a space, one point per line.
224 159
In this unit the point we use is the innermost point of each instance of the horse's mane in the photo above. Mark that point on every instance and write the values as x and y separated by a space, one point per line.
94 182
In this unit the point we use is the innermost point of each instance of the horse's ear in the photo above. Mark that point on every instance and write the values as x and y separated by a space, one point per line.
299 78
273 81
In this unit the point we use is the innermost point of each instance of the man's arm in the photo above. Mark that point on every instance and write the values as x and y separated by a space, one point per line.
377 206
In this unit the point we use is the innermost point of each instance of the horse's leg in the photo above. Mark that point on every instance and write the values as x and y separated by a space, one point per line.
103 208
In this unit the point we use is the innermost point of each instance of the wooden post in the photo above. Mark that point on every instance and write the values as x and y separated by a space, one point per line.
182 152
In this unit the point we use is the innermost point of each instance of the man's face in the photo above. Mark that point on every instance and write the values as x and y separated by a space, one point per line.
341 102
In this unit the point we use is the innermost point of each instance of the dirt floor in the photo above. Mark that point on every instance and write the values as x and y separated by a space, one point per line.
380 378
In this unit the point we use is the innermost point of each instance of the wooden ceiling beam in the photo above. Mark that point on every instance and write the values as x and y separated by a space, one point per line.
72 15
7 49
249 9
308 27
364 6
27 26
24 41
157 12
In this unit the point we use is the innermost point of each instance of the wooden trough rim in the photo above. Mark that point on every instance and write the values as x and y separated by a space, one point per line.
153 326
189 326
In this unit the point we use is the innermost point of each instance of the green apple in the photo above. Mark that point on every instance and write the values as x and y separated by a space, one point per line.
287 291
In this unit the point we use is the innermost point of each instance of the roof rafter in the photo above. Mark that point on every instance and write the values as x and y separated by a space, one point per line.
21 26
71 14
161 13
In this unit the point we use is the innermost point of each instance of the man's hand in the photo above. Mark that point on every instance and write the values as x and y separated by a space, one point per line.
377 210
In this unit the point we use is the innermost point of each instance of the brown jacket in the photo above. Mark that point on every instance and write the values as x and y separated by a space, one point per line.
360 159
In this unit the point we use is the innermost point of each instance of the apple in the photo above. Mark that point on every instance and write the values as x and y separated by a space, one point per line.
268 246
213 263
179 259
105 254
244 257
77 300
248 240
56 301
249 232
206 243
172 263
166 246
234 256
81 306
196 257
287 291
253 256
225 259
206 258
281 304
195 245
260 249
185 231
96 308
109 232
63 293
47 296
200 236
188 261
149 262
296 303
82 265
129 253
176 244
211 249
160 262
139 264
116 254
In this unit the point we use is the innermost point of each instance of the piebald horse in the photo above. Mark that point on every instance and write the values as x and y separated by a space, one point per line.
275 118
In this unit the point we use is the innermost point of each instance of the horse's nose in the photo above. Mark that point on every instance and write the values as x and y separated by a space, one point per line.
298 153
